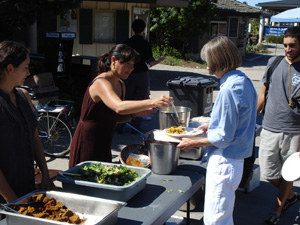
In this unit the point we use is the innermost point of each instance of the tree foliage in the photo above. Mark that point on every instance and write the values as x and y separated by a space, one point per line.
254 25
17 14
174 27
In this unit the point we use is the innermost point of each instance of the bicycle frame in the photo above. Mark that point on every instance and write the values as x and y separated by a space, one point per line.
42 110
54 124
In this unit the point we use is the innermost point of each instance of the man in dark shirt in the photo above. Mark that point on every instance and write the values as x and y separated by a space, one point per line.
138 82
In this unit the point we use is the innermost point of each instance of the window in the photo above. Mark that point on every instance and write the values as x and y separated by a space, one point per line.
233 27
104 27
218 28
144 14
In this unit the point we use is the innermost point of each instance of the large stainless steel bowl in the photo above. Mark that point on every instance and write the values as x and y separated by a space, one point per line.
164 156
168 118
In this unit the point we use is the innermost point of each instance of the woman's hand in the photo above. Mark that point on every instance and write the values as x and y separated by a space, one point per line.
186 144
47 184
203 127
162 101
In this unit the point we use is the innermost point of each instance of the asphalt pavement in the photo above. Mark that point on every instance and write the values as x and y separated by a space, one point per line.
251 208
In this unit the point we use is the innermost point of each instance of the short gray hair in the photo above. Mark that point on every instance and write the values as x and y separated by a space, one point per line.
221 54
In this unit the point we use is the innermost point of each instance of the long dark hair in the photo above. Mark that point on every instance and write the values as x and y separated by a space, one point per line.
122 52
12 52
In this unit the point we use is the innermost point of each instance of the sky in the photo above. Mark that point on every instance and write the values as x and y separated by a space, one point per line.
254 2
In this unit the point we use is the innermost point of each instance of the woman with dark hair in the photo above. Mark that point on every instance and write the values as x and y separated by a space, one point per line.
230 133
103 107
19 139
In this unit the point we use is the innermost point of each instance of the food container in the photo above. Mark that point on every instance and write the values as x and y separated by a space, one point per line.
194 153
108 191
163 155
95 210
137 151
168 118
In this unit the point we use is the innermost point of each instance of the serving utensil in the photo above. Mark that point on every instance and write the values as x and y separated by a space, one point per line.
8 209
26 204
179 121
175 110
132 127
71 174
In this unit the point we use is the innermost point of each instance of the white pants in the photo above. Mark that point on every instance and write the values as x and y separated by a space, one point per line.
222 179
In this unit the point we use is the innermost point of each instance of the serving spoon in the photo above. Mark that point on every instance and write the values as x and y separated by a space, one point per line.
180 122
175 110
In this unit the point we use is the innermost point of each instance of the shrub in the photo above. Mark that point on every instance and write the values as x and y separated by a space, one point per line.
274 39
261 47
173 56
256 48
249 48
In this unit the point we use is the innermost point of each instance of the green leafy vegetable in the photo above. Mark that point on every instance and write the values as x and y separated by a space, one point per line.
108 174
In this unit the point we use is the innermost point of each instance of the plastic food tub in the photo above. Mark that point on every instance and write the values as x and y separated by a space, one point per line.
108 191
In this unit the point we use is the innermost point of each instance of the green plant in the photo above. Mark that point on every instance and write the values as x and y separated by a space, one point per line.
274 39
256 48
173 61
174 27
249 48
254 25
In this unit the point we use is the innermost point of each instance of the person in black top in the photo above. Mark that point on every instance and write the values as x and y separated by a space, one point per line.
138 82
21 146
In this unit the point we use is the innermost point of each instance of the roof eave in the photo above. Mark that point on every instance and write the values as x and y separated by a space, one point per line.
169 3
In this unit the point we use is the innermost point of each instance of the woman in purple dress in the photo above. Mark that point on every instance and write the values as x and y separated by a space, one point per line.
104 106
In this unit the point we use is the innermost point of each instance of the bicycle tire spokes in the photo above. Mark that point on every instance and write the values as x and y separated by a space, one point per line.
55 134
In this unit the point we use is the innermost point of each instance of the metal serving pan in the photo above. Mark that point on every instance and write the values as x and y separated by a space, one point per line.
96 211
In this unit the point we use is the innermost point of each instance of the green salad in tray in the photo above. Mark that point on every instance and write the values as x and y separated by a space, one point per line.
108 174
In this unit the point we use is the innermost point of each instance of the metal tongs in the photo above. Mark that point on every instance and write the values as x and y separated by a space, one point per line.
70 174
7 207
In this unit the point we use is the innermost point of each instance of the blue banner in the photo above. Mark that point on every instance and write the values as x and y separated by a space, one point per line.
276 31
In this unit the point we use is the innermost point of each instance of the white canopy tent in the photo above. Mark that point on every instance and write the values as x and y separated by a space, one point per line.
288 16
291 15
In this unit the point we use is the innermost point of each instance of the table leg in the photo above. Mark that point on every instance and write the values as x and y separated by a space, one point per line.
188 212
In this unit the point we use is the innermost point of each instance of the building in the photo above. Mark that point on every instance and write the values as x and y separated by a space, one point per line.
233 21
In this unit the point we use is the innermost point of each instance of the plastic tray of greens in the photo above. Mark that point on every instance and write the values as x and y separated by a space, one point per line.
105 180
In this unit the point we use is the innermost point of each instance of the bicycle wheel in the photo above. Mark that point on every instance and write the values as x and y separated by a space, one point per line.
55 134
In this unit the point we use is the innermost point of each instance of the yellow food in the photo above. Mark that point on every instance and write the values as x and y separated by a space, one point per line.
131 161
176 130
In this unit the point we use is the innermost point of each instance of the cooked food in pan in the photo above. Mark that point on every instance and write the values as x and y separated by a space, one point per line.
50 209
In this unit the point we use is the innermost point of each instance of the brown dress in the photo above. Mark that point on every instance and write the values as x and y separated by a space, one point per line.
94 133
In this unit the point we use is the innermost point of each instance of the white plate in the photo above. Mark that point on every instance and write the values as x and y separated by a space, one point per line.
291 167
190 132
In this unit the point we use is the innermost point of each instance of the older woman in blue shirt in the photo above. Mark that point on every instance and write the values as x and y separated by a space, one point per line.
230 133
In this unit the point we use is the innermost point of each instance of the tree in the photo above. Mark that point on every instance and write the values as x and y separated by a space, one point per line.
18 14
254 25
174 27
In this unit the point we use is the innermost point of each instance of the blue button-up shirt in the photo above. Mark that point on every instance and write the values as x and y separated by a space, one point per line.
232 124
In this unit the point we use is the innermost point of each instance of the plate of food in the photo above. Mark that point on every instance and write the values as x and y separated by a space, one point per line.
291 167
182 131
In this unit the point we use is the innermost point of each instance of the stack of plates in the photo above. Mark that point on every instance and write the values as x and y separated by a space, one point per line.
291 167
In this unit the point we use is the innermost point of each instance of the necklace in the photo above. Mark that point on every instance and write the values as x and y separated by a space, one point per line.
290 99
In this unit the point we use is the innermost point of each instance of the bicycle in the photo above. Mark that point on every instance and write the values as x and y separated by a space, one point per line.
54 124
